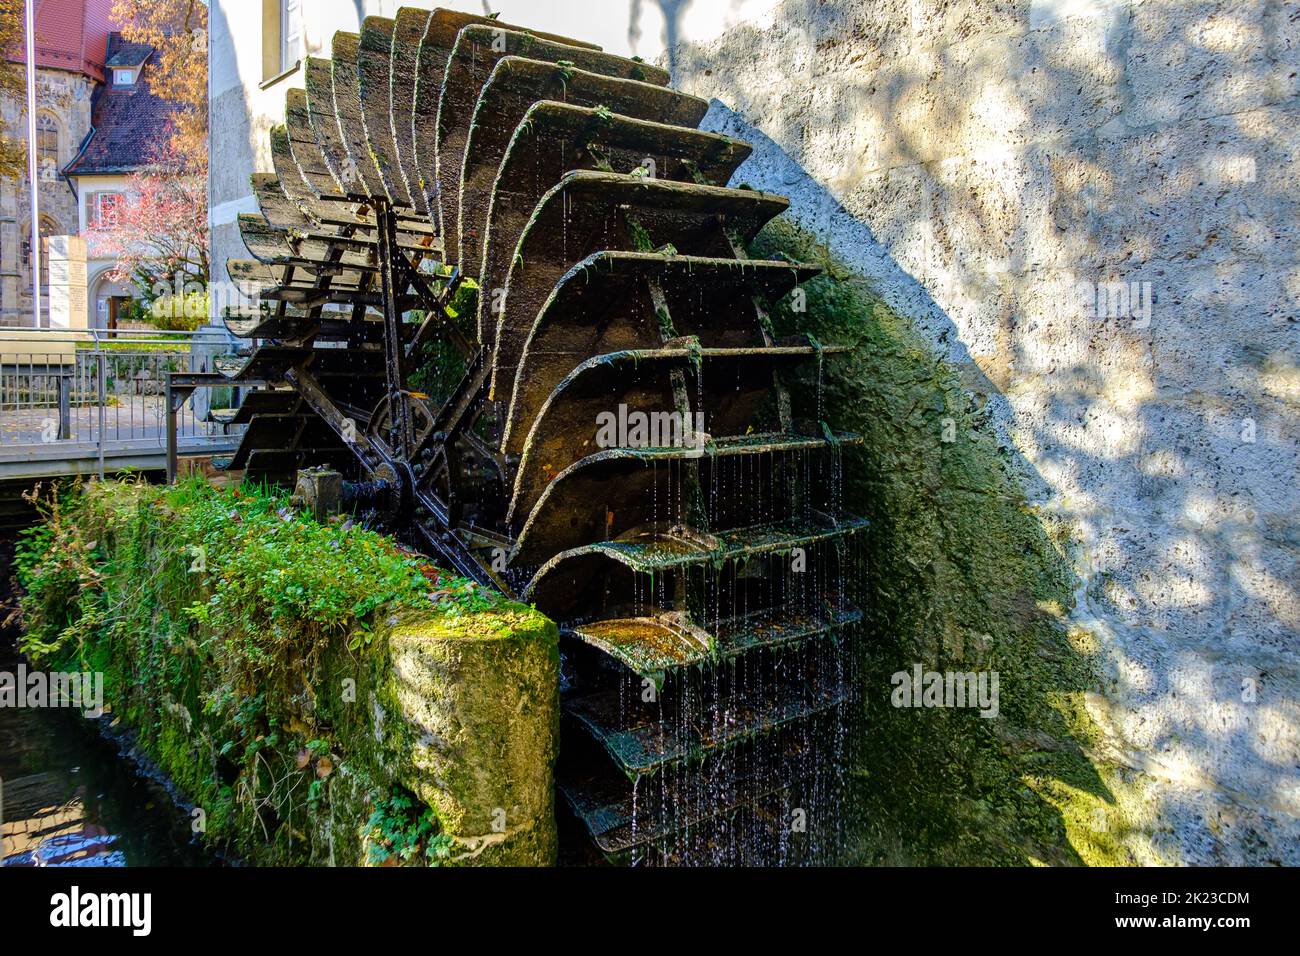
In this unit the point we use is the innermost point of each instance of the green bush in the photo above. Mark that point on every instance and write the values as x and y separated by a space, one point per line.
177 313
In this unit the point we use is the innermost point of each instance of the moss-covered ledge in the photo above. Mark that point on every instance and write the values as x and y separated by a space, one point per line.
318 695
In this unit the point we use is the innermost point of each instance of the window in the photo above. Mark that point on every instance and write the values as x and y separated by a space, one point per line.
290 33
124 77
101 209
47 147
49 227
282 41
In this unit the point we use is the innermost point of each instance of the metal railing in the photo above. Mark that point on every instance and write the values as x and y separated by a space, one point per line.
99 394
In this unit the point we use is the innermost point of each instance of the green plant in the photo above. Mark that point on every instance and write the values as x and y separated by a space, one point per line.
183 313
402 828
56 567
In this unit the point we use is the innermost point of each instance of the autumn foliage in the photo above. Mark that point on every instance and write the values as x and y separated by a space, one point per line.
13 150
178 70
159 229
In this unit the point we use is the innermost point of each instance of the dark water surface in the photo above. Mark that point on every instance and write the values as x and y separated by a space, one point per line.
70 799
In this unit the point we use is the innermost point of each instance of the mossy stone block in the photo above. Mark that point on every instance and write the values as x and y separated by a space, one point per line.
481 695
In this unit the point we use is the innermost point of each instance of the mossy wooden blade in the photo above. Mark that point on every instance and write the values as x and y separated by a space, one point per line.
618 822
643 740
652 647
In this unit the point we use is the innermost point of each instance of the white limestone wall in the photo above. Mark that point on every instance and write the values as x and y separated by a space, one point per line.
982 162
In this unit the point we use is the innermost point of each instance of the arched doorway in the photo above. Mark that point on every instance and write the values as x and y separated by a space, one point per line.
107 299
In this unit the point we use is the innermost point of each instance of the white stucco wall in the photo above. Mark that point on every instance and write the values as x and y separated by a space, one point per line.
977 161
98 287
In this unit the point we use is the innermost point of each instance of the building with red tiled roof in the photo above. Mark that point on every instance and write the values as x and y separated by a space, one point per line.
97 122
71 35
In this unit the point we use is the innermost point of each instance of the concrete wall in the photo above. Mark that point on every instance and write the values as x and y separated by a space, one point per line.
982 164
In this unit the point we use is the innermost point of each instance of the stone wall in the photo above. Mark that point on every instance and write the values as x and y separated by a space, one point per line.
983 166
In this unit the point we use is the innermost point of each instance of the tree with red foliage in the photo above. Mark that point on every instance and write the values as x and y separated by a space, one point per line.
160 226
158 233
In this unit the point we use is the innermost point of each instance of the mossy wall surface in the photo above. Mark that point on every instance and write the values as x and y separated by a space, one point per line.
291 677
961 576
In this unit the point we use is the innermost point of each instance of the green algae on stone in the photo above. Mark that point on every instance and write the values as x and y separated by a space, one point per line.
483 695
